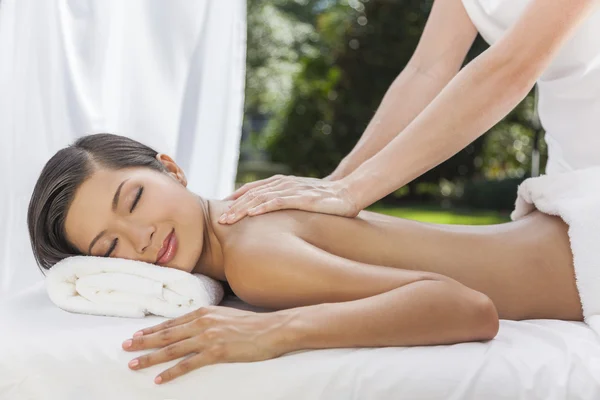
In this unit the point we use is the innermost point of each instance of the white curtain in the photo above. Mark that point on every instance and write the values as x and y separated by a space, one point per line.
167 73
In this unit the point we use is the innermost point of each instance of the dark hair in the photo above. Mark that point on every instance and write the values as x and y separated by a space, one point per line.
60 178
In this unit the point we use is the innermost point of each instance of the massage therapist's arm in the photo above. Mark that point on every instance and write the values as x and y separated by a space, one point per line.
448 35
329 301
479 96
473 101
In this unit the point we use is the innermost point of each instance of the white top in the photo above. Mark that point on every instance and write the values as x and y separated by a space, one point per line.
569 89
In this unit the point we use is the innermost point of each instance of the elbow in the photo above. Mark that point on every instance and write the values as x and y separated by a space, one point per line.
485 317
512 74
476 318
520 79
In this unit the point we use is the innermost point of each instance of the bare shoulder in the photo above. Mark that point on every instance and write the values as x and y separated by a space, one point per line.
254 239
266 225
251 263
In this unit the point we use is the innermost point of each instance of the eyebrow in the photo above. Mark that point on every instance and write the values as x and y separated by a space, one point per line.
115 202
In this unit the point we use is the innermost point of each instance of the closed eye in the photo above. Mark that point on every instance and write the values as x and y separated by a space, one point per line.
114 244
137 198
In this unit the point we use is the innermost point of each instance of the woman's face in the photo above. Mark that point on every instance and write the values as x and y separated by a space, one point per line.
137 227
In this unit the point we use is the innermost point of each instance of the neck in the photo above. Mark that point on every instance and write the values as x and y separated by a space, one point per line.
210 262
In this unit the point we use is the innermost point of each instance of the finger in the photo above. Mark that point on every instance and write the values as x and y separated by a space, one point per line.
251 194
172 352
256 202
279 203
242 211
238 209
212 355
158 339
184 319
251 185
262 201
237 205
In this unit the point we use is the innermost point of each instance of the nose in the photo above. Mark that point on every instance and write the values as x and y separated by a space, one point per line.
140 235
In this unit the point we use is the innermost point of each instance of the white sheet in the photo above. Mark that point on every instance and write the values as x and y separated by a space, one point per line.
167 73
47 353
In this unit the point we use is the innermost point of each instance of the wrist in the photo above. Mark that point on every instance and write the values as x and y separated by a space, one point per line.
334 176
342 192
291 328
370 182
343 169
354 190
284 334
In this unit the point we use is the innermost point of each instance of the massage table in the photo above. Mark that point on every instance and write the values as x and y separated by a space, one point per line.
49 353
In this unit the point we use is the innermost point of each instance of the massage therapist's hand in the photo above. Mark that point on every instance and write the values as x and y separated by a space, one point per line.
211 335
284 192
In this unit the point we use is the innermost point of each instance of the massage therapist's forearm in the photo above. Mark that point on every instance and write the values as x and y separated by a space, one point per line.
426 312
447 37
479 96
408 95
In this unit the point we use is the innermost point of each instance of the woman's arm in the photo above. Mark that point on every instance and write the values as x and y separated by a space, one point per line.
479 96
448 35
336 302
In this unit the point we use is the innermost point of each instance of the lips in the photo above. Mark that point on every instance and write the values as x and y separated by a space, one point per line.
165 247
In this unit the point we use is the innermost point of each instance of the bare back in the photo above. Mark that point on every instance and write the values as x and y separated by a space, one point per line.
525 267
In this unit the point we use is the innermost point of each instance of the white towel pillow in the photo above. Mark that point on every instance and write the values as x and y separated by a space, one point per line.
128 288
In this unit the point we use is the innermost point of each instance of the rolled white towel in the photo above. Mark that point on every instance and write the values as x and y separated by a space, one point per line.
128 288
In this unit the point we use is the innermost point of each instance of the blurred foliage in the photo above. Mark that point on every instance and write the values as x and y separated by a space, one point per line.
489 194
275 44
317 71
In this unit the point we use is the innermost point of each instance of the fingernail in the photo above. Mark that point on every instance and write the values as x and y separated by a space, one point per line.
158 379
127 343
138 333
134 363
231 217
223 218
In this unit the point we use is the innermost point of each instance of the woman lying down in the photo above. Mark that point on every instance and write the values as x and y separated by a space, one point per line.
368 281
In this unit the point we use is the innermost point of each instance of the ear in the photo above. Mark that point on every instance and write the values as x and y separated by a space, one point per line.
172 168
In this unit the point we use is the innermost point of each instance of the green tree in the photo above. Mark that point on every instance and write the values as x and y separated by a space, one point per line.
276 40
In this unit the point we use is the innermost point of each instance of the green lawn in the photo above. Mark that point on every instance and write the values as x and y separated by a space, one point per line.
442 216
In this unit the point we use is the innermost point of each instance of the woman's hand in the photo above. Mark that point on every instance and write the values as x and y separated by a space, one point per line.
284 192
211 335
